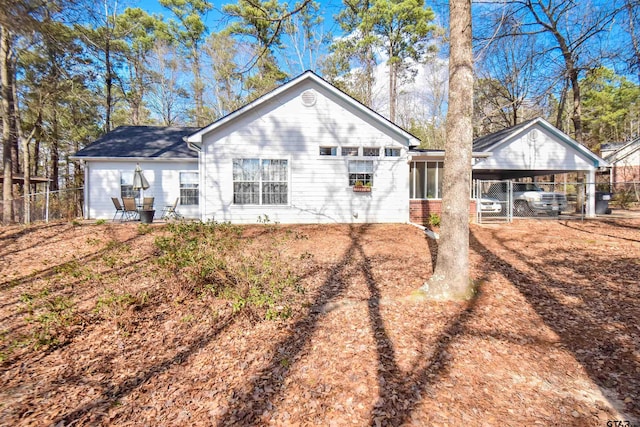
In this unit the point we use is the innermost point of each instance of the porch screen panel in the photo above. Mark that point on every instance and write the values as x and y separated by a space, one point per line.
419 179
432 180
275 188
439 180
246 181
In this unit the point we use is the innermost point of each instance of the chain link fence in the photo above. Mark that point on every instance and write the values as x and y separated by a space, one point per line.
504 200
46 206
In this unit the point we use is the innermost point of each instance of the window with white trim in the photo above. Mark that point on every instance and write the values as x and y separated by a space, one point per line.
371 151
392 152
425 180
349 151
126 185
189 191
260 181
328 151
361 172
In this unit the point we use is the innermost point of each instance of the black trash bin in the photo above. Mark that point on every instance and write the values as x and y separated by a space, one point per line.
146 216
602 203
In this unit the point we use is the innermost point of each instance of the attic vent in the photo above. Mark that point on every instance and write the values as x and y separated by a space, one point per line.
308 98
533 135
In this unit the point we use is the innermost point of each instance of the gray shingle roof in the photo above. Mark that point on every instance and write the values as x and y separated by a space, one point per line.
142 141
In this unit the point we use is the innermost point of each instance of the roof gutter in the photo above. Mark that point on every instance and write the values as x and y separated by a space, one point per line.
192 145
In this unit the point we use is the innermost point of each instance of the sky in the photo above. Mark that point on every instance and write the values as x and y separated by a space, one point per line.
215 20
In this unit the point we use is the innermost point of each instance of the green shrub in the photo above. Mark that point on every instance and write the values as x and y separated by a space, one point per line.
215 259
434 220
112 304
624 198
50 318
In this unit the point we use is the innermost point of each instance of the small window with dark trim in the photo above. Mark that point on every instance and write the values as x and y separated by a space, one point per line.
371 151
328 151
392 152
349 151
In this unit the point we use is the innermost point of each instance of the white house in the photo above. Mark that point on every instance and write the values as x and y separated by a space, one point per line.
168 164
624 159
296 155
308 153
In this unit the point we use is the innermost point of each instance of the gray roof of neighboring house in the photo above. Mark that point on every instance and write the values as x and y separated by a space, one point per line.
141 142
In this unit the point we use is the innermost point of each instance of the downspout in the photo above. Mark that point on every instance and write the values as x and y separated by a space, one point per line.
201 194
87 201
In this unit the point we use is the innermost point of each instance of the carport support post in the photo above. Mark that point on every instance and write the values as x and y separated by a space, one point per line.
591 194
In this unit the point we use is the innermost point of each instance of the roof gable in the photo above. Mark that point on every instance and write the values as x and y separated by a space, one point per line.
141 142
496 140
624 151
280 92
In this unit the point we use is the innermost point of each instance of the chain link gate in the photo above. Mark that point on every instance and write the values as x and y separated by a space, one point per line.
494 201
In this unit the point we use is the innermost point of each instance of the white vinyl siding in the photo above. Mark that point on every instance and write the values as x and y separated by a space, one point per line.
318 185
544 151
103 180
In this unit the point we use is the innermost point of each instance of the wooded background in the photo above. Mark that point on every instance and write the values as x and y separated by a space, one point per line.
71 70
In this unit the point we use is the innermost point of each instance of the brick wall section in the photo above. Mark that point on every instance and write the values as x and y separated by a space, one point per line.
420 210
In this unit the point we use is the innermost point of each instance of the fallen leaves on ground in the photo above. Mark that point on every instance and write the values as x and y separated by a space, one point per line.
551 339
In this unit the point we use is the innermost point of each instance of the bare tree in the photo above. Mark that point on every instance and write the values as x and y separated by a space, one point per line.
167 91
450 279
568 30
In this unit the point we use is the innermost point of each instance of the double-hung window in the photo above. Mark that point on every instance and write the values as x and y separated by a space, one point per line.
361 172
260 181
126 185
189 192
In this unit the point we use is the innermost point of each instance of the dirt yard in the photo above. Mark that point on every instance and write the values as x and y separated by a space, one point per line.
94 332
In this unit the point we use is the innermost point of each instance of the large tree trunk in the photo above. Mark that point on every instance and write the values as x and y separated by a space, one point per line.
8 125
576 118
450 278
108 83
55 155
198 87
561 104
393 90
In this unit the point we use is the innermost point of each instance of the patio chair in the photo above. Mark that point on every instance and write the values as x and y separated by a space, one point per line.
130 209
147 203
170 212
119 208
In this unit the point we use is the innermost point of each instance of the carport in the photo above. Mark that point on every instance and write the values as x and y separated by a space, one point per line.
536 148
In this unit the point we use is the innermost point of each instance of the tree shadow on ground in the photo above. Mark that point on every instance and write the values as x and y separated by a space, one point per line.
98 408
597 324
248 406
400 391
616 224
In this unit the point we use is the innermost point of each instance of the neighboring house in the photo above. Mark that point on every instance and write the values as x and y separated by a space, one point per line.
168 164
624 159
308 153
